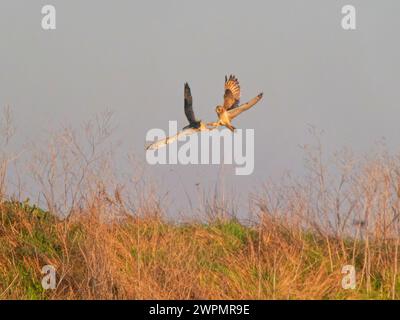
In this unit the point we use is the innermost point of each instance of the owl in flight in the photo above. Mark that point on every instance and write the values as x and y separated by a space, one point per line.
193 127
231 108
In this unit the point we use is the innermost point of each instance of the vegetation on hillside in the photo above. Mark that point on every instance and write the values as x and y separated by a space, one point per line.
150 258
108 237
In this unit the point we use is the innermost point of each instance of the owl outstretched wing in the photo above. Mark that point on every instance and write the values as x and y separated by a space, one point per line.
233 113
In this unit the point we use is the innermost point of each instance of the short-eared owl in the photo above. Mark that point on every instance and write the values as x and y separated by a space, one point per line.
231 109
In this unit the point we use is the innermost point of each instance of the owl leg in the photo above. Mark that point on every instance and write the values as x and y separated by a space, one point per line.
230 127
213 124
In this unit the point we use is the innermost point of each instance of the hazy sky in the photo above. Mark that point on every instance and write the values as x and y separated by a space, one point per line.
133 57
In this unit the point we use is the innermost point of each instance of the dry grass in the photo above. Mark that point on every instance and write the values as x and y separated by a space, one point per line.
148 258
108 243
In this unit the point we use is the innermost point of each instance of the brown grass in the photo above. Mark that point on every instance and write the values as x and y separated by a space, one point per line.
108 238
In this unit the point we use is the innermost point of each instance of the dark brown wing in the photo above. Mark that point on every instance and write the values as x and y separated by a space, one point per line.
233 113
189 105
232 92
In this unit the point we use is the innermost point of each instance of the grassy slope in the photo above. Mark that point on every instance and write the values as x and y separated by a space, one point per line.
149 258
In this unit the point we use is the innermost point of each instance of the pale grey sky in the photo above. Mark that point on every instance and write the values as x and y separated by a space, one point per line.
133 57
